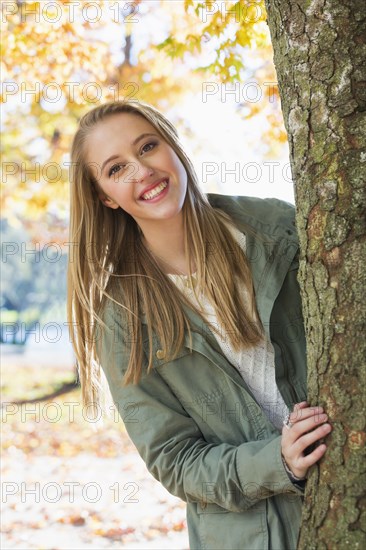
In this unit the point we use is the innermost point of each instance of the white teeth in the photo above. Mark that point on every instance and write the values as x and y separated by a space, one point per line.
156 191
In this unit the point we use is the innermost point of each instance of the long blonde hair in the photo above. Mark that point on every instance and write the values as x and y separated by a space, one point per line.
111 266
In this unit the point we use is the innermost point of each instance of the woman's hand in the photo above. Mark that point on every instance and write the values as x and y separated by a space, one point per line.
307 426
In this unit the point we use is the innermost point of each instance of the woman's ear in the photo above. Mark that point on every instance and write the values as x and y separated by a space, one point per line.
108 202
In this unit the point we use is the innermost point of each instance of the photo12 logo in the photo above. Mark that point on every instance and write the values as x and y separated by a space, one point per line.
70 491
75 92
70 12
249 92
247 12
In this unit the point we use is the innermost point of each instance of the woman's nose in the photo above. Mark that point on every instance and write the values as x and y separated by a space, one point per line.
142 171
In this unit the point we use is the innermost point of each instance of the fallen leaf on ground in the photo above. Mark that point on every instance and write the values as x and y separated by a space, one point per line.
115 533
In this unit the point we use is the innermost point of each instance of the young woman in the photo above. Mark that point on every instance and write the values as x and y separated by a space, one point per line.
190 305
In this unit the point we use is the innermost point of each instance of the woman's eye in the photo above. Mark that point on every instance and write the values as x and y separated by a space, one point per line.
146 148
116 168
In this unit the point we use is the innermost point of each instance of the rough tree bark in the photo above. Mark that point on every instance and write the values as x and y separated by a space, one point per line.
319 53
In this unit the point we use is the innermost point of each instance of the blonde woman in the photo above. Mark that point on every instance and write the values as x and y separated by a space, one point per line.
191 307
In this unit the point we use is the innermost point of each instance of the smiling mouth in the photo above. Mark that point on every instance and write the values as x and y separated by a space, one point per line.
155 192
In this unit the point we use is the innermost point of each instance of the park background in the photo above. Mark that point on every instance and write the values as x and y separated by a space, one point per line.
208 67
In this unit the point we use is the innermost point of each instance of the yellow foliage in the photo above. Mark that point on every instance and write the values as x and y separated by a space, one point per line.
57 63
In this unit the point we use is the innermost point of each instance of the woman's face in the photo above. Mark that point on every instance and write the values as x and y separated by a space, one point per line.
136 169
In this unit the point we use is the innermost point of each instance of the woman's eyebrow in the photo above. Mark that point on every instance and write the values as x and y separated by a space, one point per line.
135 142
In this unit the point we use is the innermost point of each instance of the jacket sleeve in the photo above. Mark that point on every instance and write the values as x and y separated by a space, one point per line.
173 447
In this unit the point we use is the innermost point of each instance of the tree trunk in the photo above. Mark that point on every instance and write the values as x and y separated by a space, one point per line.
319 54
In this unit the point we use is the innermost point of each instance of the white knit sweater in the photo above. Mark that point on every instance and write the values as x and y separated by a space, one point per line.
256 365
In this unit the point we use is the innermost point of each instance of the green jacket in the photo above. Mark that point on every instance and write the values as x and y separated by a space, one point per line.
195 422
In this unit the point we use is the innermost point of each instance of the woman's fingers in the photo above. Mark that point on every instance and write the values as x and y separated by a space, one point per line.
314 456
301 427
307 426
301 436
304 412
301 405
312 437
309 423
301 464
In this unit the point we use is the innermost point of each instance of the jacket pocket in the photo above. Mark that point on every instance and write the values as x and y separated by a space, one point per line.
211 508
219 528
